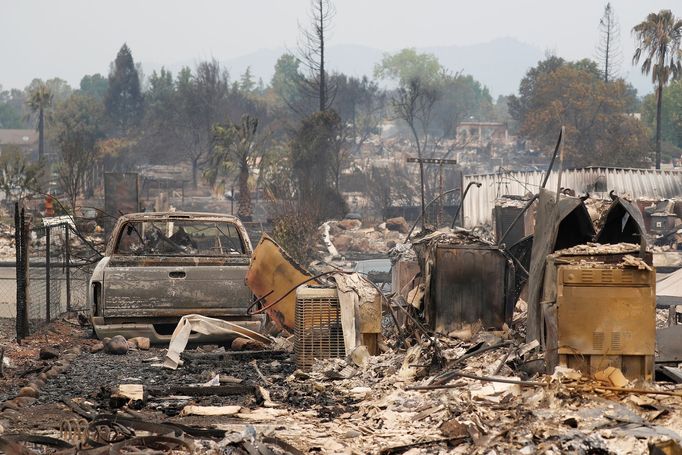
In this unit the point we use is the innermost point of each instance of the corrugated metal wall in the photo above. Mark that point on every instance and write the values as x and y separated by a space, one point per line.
637 183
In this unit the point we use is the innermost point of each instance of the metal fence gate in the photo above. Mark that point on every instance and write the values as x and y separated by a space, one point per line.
53 268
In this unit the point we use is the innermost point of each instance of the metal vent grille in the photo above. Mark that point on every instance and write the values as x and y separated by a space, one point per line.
606 276
598 341
615 342
318 333
627 277
586 276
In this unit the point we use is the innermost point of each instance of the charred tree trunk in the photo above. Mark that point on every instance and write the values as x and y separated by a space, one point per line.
323 85
195 169
659 103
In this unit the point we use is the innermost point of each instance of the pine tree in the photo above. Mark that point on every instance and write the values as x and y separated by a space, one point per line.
608 49
246 83
123 101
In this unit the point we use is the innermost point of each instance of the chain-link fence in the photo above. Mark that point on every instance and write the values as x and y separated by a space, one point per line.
53 267
8 289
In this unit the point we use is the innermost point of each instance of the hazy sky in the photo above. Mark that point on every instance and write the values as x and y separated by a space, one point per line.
69 38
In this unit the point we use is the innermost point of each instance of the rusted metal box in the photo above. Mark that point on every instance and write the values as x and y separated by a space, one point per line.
318 333
606 316
402 276
470 283
662 223
504 217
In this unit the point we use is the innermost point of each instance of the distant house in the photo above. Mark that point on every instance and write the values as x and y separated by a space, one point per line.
480 133
26 140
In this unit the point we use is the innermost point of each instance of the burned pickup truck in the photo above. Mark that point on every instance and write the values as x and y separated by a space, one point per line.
159 267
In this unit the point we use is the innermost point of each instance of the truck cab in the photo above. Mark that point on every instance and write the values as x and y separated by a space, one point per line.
159 267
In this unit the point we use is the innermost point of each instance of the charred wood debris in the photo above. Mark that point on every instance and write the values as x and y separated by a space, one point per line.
543 343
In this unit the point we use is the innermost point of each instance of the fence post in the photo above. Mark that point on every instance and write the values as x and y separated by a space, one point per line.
47 273
67 253
21 271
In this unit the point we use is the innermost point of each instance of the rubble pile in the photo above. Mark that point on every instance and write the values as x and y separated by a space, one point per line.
597 209
394 410
348 237
454 364
472 391
7 250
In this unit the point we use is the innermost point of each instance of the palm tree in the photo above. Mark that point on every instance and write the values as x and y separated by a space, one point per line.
236 145
39 99
659 38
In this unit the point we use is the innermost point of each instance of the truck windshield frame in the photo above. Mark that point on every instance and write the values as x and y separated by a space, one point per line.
180 238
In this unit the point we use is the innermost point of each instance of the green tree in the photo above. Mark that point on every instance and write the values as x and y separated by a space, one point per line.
286 78
76 130
18 176
418 77
520 105
599 129
659 37
162 120
124 101
201 102
59 88
461 97
40 99
288 86
408 65
95 85
671 113
236 145
246 82
10 113
360 104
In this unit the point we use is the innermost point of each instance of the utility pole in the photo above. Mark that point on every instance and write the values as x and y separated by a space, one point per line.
440 162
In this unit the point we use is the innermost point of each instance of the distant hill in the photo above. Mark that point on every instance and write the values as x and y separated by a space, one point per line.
499 64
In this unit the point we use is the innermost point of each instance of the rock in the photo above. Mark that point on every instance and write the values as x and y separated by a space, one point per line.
390 244
117 345
342 242
37 383
47 353
97 347
454 429
360 355
24 401
10 404
360 392
397 224
141 343
28 392
245 344
52 373
349 225
360 245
